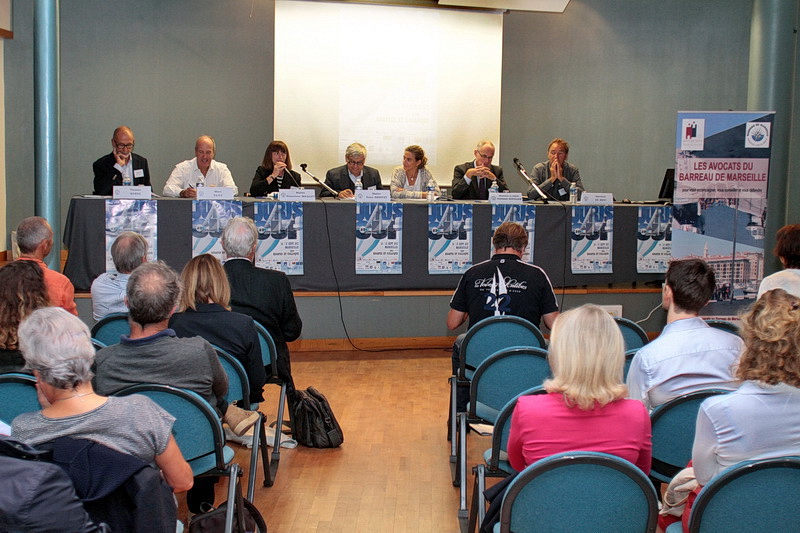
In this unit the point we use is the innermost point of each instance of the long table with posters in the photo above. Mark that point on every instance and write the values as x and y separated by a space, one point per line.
329 245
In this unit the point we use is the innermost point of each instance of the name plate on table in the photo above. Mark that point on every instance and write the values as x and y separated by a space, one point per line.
373 196
132 192
505 197
597 198
215 193
296 195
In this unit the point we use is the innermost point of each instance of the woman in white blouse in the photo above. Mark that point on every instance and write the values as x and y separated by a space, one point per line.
411 179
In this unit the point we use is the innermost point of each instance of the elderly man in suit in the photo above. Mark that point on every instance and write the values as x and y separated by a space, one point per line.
110 169
472 180
343 179
263 294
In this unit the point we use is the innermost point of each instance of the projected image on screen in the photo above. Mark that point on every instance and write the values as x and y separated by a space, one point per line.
387 77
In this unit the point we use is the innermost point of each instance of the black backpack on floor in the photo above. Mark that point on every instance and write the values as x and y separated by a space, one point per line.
313 422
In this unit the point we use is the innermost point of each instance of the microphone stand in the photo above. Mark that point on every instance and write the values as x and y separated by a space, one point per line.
530 180
333 192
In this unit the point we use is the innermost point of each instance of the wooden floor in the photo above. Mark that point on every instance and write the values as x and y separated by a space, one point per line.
392 474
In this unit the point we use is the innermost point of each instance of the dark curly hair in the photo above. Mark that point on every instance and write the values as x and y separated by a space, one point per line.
22 291
771 331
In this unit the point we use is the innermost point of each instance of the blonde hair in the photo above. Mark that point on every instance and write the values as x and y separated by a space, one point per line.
586 355
204 279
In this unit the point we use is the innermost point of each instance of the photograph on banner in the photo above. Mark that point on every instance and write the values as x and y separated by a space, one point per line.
592 238
209 218
139 216
449 238
654 239
522 214
280 236
379 238
720 200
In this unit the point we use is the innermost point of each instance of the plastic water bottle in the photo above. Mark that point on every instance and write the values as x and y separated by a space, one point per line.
494 188
431 191
573 193
126 180
359 185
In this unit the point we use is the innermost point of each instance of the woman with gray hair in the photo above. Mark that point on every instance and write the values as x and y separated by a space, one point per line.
57 348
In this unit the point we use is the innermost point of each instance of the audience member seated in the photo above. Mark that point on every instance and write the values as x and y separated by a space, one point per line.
689 355
22 291
263 294
154 354
585 407
110 169
343 179
205 312
473 179
787 249
35 241
761 419
555 175
411 180
128 251
58 349
201 171
275 171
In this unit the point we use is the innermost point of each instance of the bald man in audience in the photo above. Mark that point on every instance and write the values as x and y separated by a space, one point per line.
108 289
201 171
35 241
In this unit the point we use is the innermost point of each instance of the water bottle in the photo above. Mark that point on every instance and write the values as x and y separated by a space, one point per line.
200 182
494 188
431 191
126 180
573 193
359 185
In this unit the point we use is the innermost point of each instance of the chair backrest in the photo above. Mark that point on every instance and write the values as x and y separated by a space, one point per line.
109 328
238 386
269 353
494 333
580 491
724 325
673 426
17 395
197 428
502 376
629 354
502 425
98 345
634 335
758 495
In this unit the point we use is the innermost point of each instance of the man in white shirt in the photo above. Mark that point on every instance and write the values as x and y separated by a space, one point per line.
108 289
202 170
689 355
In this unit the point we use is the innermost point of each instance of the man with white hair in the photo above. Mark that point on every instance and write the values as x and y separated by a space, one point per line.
343 179
263 294
108 289
203 170
35 241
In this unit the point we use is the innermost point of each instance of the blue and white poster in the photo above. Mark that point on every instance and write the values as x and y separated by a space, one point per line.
209 218
280 236
449 238
592 239
139 216
721 175
379 238
521 214
654 239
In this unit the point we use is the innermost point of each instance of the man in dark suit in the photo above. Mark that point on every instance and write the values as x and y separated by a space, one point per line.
343 179
263 294
110 169
472 180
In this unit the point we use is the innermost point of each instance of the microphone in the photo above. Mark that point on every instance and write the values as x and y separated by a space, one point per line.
294 178
330 190
530 180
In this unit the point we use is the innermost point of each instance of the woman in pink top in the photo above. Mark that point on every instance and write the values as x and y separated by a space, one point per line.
585 408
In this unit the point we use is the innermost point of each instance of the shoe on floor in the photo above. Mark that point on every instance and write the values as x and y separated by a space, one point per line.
239 420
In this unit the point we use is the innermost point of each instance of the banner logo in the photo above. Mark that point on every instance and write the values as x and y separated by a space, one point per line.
757 135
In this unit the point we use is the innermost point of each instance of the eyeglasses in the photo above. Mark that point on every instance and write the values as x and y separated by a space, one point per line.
489 157
125 146
355 163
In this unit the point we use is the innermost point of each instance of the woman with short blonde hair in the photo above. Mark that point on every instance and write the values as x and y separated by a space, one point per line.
204 280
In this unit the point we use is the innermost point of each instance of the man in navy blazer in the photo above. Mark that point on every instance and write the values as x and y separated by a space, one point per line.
109 169
343 179
472 180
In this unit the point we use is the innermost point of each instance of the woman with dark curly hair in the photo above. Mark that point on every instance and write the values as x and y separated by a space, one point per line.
762 418
22 291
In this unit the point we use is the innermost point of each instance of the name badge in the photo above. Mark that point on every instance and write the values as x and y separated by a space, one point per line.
215 193
138 172
296 195
132 192
373 196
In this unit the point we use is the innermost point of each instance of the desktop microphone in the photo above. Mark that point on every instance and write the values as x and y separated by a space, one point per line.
530 180
330 190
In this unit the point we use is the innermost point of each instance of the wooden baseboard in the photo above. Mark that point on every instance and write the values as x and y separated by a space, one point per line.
391 343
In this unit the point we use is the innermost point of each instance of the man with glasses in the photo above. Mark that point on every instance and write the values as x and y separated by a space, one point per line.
343 179
555 175
121 166
472 180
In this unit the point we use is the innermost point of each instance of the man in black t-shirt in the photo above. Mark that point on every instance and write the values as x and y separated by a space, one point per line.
503 285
